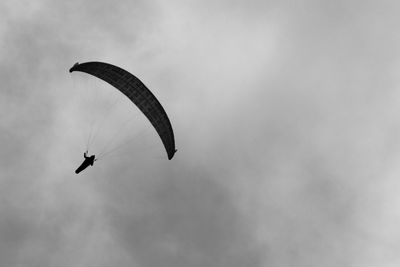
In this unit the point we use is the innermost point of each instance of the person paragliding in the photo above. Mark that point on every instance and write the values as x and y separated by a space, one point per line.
88 161
138 94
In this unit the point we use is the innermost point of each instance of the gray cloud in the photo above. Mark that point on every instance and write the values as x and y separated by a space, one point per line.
188 221
285 120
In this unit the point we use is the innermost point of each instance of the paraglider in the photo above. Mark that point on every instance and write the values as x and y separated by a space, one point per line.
139 94
88 161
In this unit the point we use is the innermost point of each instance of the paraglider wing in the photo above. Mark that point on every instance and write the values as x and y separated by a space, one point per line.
138 93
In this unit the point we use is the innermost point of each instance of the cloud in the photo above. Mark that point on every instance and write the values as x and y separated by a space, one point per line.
285 120
185 221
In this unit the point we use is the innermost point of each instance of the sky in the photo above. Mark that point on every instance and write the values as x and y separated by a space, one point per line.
285 116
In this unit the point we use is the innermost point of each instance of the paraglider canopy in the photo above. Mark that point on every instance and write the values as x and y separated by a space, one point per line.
138 93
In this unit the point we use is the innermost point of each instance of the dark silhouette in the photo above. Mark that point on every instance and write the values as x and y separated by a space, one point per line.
88 161
138 93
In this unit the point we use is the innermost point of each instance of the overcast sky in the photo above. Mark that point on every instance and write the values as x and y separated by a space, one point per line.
286 120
